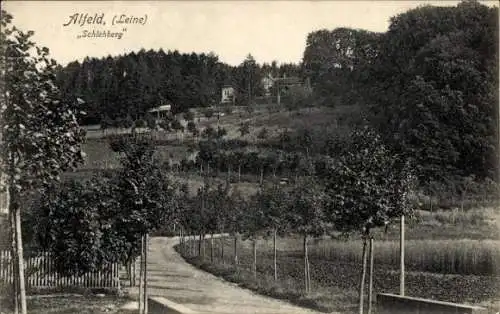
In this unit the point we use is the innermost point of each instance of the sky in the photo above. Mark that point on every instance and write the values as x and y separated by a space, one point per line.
269 30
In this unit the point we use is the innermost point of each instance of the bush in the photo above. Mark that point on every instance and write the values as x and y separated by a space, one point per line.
209 112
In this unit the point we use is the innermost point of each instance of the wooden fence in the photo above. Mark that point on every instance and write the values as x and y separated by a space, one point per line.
40 272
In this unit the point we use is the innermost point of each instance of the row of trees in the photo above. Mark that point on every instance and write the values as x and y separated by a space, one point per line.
429 83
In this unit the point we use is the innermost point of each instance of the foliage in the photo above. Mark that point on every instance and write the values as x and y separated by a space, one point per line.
40 134
244 128
191 126
209 112
189 115
306 210
74 223
101 221
368 185
336 62
140 123
434 95
263 133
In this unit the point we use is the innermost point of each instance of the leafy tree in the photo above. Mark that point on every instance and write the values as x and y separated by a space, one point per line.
263 133
209 133
221 132
209 112
128 122
145 195
105 123
307 215
244 128
235 224
140 123
368 187
40 134
189 116
177 126
336 63
273 202
252 220
74 223
150 121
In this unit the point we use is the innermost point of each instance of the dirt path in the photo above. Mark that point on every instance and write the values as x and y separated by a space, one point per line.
173 278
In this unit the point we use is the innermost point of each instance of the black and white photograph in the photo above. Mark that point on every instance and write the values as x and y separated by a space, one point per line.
249 157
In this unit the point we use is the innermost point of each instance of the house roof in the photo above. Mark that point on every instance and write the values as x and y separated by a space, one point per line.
160 108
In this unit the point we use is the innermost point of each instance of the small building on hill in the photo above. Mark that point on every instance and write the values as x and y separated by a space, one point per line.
227 94
160 111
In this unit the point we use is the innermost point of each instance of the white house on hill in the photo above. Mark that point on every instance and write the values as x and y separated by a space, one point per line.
160 111
227 94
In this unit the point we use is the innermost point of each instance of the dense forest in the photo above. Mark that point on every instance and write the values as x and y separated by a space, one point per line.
429 84
129 85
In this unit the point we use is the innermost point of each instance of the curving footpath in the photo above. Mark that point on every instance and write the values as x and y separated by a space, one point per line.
171 277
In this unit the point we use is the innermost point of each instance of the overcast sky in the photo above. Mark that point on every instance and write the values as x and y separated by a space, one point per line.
269 30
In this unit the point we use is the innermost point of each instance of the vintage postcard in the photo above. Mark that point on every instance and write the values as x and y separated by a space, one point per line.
249 157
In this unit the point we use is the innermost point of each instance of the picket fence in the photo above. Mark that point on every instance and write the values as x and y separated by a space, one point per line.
40 272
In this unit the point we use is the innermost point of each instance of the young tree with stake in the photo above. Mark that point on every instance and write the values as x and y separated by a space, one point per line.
40 135
368 187
306 215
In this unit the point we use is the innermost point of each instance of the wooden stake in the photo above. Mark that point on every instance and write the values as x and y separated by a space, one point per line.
363 276
141 278
306 283
370 284
146 238
255 259
275 257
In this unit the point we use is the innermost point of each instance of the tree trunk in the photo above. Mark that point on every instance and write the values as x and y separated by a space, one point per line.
193 245
275 257
203 247
229 174
222 250
235 250
129 269
141 278
16 209
308 274
402 256
211 248
370 282
363 276
13 254
145 294
199 246
239 172
261 175
254 259
306 277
